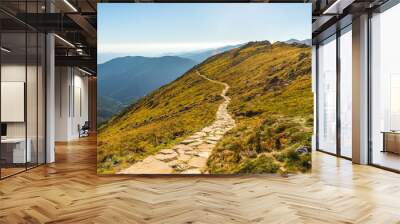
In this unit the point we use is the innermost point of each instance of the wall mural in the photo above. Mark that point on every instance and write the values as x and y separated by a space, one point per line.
204 88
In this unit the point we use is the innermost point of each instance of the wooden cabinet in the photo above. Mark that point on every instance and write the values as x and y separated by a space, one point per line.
391 142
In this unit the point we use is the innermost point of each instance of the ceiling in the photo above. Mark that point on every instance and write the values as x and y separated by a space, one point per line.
73 21
332 15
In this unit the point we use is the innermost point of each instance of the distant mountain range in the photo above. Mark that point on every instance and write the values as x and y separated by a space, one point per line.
306 41
123 80
200 56
107 107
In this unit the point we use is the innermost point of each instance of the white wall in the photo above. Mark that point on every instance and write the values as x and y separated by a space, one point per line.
10 73
80 104
16 73
71 102
62 81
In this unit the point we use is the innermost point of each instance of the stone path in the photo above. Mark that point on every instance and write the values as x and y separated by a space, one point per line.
190 155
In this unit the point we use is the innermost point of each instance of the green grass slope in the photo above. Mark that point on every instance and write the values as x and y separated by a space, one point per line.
272 103
161 119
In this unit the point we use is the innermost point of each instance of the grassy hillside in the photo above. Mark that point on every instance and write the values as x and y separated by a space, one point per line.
159 120
106 108
272 104
270 88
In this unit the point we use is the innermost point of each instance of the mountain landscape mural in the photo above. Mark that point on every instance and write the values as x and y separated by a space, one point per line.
240 108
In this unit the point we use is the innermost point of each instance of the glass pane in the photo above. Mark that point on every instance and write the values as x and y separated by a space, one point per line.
386 89
41 98
327 96
22 89
13 87
31 100
346 94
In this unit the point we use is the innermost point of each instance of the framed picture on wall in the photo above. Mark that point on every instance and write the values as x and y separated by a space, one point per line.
12 101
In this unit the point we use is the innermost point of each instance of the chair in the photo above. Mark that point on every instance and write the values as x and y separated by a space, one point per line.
84 130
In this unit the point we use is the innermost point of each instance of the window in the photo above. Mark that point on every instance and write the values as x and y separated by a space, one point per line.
22 88
346 92
385 89
327 95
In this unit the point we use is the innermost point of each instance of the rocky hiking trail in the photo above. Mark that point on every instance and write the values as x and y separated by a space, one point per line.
190 155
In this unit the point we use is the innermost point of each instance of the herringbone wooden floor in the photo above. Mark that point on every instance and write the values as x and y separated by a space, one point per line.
69 191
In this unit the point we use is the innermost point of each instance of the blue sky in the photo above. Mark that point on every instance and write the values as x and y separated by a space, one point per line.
154 29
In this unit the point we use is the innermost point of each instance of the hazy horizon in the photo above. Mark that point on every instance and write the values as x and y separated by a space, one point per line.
103 58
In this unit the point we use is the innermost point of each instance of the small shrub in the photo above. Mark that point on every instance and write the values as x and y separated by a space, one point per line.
262 164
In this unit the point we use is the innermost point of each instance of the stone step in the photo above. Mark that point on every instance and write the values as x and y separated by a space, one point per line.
204 154
167 151
166 157
190 153
200 133
181 167
150 165
182 147
175 163
197 162
211 142
194 144
205 147
188 141
184 157
214 138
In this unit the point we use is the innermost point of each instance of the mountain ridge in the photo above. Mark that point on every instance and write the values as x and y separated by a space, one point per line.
200 56
305 41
